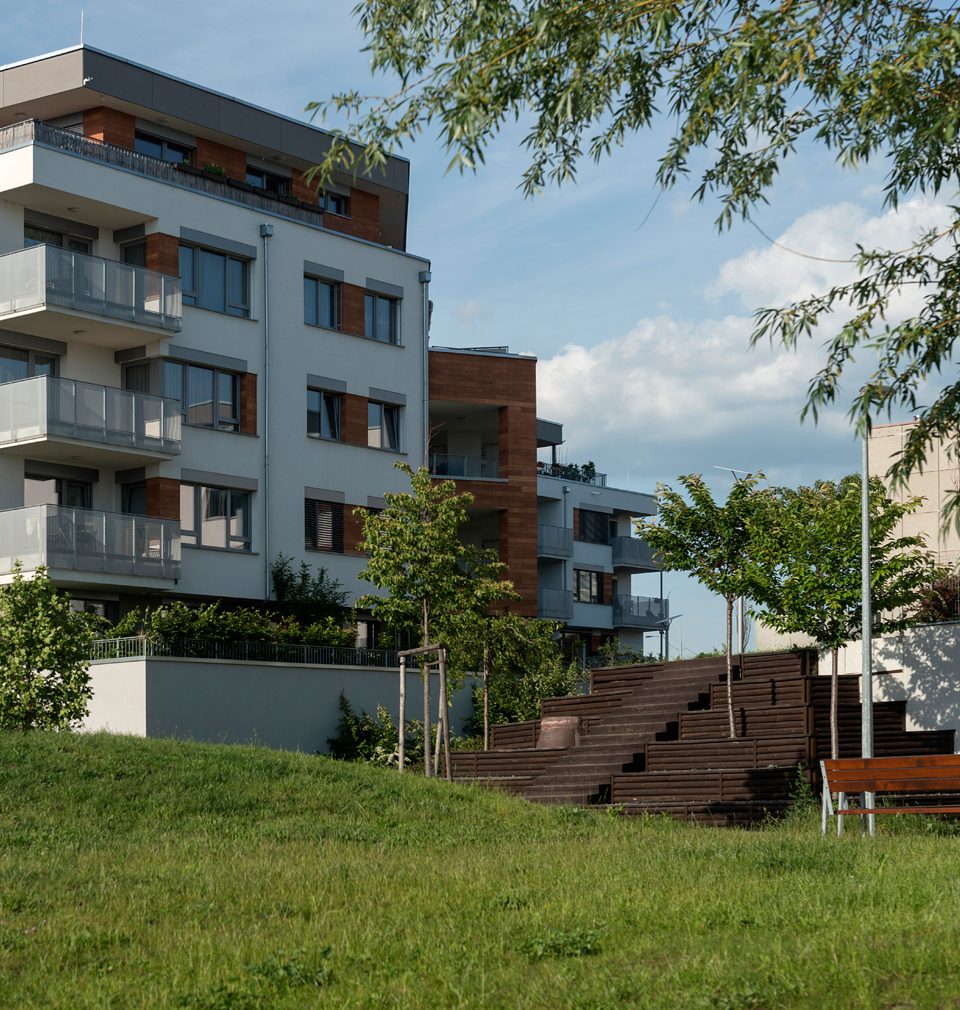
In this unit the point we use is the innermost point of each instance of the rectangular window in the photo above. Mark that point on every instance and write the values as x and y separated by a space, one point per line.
587 586
323 526
381 318
321 303
209 398
160 147
215 517
215 281
268 181
383 425
323 414
594 527
16 364
133 499
335 203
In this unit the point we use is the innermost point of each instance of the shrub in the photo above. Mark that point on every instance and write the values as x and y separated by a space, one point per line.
374 739
44 655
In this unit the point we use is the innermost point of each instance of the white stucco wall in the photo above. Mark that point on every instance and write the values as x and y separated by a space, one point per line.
282 705
921 665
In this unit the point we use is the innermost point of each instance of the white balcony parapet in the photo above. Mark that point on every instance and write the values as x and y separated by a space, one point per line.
554 541
648 612
44 275
186 177
632 552
47 406
555 604
442 465
87 540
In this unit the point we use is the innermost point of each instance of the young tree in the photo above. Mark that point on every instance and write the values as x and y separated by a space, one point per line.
435 584
746 85
44 655
520 663
807 570
711 542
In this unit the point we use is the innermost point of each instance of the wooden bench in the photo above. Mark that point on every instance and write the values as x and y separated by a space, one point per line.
923 773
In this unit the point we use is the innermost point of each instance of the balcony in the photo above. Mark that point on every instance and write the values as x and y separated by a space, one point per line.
76 144
645 612
554 604
554 542
78 545
49 413
65 295
463 467
631 552
585 474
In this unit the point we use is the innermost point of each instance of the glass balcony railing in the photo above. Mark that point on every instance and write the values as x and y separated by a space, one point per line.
44 276
442 465
67 408
86 540
647 612
555 604
554 542
631 552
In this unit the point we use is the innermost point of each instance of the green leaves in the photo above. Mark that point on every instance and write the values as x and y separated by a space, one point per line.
44 655
429 574
745 84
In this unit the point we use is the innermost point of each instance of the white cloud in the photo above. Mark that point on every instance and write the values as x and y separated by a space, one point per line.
775 274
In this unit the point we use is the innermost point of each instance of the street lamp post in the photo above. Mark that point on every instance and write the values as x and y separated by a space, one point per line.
866 668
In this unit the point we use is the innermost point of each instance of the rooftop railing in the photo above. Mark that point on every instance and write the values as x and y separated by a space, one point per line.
87 540
35 132
573 472
143 647
45 275
68 408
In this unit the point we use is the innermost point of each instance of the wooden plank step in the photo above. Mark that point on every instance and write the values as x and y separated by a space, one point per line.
760 722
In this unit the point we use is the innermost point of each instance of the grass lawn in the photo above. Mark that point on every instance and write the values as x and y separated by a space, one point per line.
158 874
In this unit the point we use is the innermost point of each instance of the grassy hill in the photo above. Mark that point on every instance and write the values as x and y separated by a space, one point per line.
157 874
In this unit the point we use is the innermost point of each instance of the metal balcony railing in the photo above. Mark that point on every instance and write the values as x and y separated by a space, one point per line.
187 177
572 472
87 540
554 542
442 465
45 275
647 612
68 408
631 552
555 604
143 647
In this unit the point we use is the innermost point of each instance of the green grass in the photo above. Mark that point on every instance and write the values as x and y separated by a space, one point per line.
166 875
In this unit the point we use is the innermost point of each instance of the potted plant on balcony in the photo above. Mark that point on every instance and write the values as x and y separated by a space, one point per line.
215 171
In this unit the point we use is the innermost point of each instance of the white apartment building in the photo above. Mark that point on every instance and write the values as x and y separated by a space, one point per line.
204 361
587 554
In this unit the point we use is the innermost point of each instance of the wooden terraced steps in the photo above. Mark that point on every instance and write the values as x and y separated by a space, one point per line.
655 739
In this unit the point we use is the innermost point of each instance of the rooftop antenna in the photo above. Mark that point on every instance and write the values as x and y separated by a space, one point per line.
81 26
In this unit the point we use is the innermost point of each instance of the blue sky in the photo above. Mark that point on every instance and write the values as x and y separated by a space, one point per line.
640 328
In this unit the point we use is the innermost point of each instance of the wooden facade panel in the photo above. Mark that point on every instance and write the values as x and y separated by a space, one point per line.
110 127
163 498
163 253
232 161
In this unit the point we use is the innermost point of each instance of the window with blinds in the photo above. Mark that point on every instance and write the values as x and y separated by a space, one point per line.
594 527
323 526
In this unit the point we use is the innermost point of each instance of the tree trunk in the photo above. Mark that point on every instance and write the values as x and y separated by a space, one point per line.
436 746
834 703
425 673
733 725
447 762
486 696
401 754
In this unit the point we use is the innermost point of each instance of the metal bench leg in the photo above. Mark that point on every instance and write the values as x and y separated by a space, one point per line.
841 805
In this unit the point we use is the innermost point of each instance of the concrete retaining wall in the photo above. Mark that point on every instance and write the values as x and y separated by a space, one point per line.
283 705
